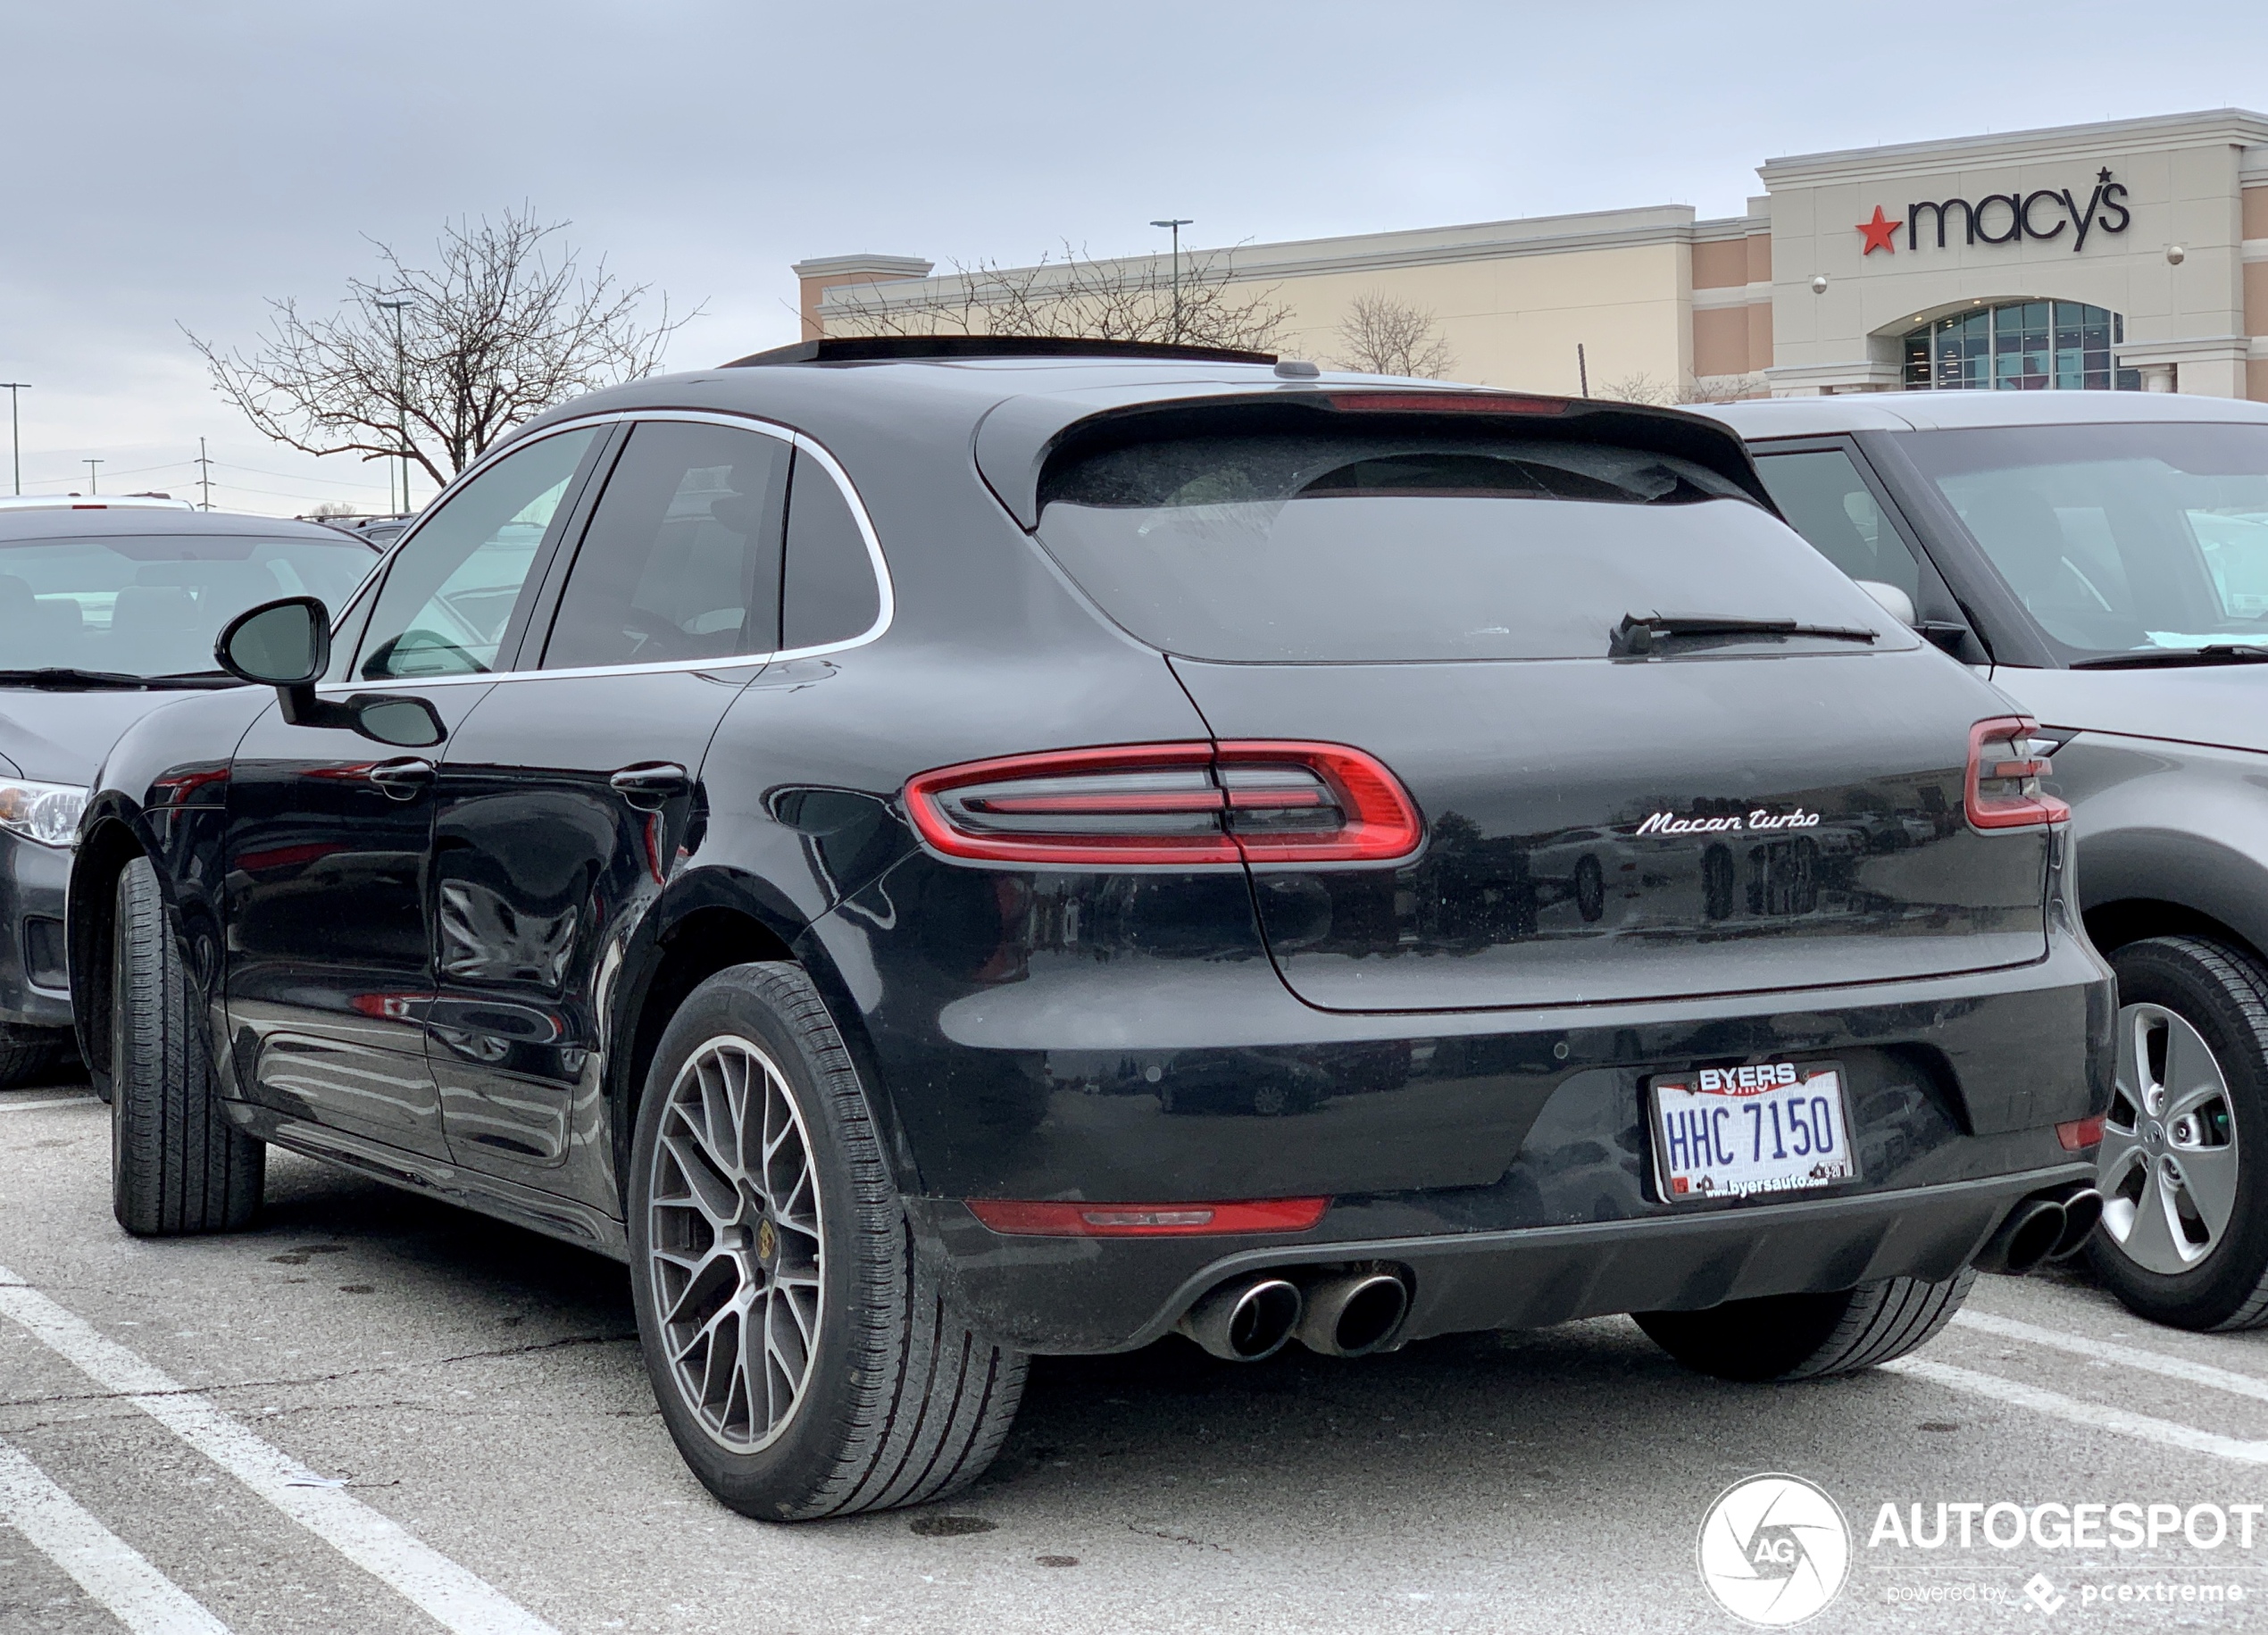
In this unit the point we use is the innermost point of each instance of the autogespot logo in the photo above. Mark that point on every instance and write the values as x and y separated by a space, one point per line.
1774 1550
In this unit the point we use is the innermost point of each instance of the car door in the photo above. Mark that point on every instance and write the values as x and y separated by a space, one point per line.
326 901
566 796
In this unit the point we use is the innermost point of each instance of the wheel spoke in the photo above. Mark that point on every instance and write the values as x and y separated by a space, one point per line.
2150 1240
2189 1066
2209 1174
712 1194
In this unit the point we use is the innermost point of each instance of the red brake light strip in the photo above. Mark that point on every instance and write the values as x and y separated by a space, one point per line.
1017 1218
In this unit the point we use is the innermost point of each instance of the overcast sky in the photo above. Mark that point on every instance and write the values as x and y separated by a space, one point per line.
171 165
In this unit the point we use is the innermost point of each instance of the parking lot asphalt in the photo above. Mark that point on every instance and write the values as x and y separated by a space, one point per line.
377 1413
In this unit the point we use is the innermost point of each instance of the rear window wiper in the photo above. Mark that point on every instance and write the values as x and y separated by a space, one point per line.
2157 658
63 678
1639 633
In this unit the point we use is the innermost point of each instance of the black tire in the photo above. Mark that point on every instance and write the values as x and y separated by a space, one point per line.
178 1165
31 1056
1808 1336
2221 993
902 1401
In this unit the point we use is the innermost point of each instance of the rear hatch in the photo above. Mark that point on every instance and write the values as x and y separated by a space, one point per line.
1661 747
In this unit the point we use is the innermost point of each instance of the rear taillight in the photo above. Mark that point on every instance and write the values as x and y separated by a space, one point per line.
2004 771
1169 805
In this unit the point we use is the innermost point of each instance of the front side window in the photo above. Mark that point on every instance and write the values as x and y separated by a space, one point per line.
152 604
449 597
683 556
1355 545
1824 498
2119 539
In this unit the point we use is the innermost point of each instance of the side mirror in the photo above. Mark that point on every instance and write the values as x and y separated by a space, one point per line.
406 723
1890 599
285 643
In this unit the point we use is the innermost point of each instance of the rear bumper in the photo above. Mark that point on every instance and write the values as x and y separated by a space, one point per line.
1088 1295
33 881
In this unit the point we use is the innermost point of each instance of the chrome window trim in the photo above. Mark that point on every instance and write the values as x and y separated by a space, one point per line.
886 596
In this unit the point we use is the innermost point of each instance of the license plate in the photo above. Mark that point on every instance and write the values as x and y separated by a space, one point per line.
1771 1127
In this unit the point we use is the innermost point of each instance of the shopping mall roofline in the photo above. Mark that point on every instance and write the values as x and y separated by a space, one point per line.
2239 127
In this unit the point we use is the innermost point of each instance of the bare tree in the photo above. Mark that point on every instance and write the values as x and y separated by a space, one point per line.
1725 388
504 324
1381 335
1137 299
331 510
1640 387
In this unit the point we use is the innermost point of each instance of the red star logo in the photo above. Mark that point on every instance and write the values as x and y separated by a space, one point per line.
1878 233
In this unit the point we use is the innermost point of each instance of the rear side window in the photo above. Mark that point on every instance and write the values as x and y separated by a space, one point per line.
1357 546
829 594
681 558
1821 492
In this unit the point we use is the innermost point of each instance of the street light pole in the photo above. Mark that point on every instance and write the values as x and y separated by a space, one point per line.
15 434
400 410
1177 223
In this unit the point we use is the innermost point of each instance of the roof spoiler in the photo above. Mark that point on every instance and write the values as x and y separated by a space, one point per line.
1019 437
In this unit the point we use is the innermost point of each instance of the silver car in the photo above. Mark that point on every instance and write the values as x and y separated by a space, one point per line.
2103 558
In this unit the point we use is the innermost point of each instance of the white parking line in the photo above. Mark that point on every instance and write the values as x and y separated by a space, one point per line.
2093 1415
50 1101
437 1586
2126 1356
107 1568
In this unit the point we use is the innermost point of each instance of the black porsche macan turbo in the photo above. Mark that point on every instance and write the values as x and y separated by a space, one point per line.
942 850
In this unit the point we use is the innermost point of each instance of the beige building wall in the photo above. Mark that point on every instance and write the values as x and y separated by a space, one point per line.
1784 299
1511 300
1517 323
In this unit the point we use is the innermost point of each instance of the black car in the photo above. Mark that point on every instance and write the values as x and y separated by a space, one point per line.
938 851
107 611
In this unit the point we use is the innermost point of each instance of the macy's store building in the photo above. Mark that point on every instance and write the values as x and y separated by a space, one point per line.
2127 255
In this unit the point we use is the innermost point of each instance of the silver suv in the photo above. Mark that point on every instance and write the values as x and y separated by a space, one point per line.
2103 558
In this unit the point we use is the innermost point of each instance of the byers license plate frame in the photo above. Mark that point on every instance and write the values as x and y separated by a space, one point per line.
1747 1131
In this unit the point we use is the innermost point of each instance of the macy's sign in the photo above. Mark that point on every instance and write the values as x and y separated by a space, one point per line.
2044 213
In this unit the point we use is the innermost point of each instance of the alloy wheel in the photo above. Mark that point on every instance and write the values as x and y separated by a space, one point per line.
2168 1168
733 1232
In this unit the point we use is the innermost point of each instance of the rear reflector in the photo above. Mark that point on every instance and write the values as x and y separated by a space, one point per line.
1169 805
2080 1134
2003 789
1026 1220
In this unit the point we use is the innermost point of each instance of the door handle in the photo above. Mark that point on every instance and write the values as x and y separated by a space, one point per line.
402 779
649 784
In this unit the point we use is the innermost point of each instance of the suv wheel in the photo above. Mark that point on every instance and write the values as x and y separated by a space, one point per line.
177 1164
1808 1336
2184 1238
805 1360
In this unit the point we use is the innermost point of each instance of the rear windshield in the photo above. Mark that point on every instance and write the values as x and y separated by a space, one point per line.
1323 548
151 605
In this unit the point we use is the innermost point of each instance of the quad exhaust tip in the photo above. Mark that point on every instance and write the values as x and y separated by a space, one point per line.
1355 1313
2081 1210
1346 1313
2042 1228
1245 1319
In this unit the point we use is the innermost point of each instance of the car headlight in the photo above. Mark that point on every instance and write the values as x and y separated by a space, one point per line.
47 813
